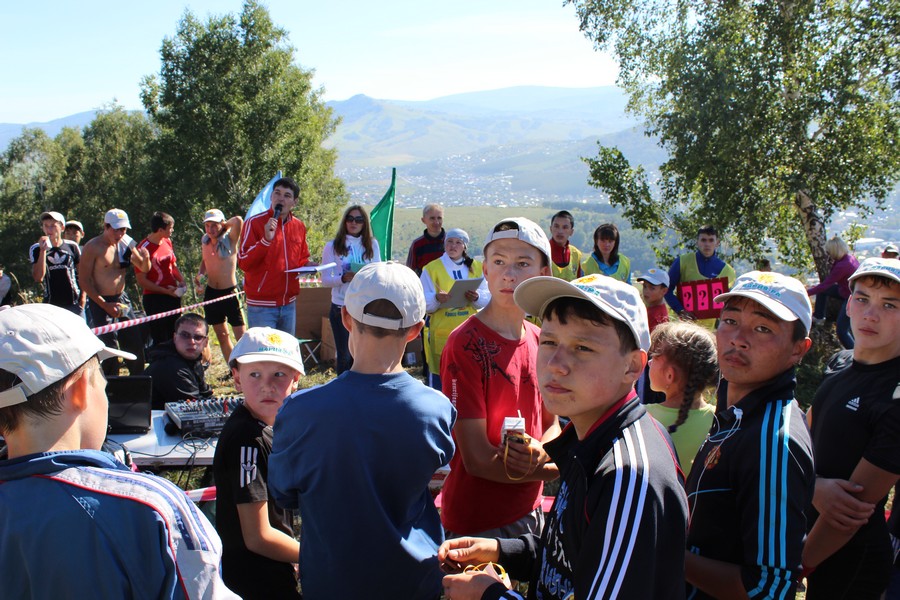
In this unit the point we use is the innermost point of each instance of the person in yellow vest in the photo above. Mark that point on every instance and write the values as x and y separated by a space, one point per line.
694 266
566 263
605 259
438 277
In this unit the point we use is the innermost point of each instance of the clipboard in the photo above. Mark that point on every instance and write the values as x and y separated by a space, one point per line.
312 268
458 291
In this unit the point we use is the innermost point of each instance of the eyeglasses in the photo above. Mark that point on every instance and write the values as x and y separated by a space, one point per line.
191 336
358 220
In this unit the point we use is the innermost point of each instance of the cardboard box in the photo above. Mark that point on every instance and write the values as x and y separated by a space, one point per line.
312 304
327 352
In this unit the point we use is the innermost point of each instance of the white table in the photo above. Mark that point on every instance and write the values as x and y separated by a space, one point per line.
156 448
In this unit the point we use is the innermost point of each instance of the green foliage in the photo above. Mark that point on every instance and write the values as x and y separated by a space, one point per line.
232 109
776 115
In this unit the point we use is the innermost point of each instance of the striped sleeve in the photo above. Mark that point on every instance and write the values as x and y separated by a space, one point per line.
772 509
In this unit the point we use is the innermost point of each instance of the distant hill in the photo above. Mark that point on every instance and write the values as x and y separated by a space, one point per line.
8 131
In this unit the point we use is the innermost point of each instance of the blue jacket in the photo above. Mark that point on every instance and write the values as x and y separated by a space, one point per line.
79 524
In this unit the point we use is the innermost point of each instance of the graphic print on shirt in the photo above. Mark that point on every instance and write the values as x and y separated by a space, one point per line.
248 465
484 352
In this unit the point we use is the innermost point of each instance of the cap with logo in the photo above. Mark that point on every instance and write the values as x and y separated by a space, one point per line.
42 344
656 277
784 296
615 298
879 267
214 215
391 281
265 344
525 230
52 214
117 218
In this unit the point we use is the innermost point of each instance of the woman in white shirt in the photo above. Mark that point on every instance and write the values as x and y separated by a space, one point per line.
438 277
352 247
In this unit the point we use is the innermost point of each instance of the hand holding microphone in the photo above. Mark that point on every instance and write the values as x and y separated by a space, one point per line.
272 225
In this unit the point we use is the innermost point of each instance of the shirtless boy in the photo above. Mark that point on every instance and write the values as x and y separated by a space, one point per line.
101 274
219 263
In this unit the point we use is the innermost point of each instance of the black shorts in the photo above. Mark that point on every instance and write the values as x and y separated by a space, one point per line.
229 309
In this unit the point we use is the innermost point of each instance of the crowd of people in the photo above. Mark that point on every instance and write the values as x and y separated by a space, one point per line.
665 410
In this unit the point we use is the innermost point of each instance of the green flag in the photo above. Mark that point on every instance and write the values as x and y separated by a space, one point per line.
382 218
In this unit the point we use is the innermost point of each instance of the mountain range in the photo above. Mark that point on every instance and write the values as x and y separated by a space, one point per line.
512 146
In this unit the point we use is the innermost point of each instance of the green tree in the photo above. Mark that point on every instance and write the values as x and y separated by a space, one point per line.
232 109
776 115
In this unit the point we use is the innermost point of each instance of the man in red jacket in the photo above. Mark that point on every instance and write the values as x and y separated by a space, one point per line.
273 242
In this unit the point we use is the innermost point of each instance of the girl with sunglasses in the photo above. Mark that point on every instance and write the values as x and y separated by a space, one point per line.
352 247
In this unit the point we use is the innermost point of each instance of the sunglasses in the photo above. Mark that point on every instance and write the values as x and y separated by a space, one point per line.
358 220
191 336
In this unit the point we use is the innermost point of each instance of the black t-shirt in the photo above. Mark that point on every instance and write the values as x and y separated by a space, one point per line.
241 467
856 415
61 280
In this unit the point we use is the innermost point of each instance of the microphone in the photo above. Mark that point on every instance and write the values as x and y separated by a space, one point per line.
277 211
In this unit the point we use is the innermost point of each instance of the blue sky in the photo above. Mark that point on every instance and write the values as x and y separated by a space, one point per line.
62 57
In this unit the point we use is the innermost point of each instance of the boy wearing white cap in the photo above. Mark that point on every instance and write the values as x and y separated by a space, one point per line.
54 264
753 478
216 277
102 531
257 536
488 372
855 425
617 527
654 285
356 455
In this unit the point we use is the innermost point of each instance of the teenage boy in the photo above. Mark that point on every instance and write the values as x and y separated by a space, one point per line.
617 527
694 266
753 478
566 258
855 424
74 231
488 372
177 366
356 454
216 277
257 536
54 261
163 284
75 522
101 274
430 245
654 284
272 243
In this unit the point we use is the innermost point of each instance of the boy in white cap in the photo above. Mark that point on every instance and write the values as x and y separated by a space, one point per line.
356 455
102 531
617 527
105 260
488 372
855 425
216 277
753 478
257 536
54 264
74 231
654 285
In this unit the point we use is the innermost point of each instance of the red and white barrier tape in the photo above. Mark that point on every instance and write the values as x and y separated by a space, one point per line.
202 494
132 322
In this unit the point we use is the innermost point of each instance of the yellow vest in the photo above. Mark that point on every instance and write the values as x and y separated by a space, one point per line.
444 320
570 271
590 267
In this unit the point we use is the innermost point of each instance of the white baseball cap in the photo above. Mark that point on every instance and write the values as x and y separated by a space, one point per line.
117 218
52 214
656 277
264 344
74 223
525 230
215 215
615 298
42 344
784 296
879 267
391 281
892 247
